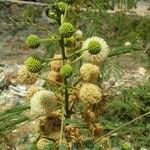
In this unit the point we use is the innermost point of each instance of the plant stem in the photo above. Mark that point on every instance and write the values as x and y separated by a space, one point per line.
77 52
66 94
66 98
48 40
63 49
62 126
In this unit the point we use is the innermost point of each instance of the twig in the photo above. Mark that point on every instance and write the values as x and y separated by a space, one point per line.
126 124
62 126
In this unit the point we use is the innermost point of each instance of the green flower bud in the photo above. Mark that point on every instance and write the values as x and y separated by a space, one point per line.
52 15
33 65
62 6
66 30
66 71
69 41
94 47
33 41
126 146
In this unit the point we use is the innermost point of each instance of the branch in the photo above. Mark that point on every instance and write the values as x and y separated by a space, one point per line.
126 124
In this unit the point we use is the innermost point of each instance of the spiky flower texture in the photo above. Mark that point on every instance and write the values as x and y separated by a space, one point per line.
33 64
90 93
25 76
95 44
62 6
33 41
66 30
89 72
43 102
66 71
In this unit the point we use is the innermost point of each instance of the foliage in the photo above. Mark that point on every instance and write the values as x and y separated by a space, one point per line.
131 103
73 118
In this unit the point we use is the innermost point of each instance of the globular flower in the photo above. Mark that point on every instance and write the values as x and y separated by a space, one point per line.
127 44
43 102
126 146
52 15
62 6
66 30
89 72
66 71
33 41
54 77
69 41
97 130
42 143
95 44
33 64
48 125
78 35
31 91
90 93
56 64
26 77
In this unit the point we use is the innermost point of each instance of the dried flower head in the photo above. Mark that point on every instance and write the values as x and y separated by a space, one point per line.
42 143
66 30
54 77
72 133
90 93
31 91
69 42
25 76
89 72
33 41
56 64
97 130
92 55
33 64
89 117
43 102
48 125
78 35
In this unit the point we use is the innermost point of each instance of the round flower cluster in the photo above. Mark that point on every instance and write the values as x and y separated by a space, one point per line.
43 102
33 41
66 30
66 71
42 143
31 91
56 64
26 77
54 77
33 65
89 72
69 42
62 6
97 50
90 93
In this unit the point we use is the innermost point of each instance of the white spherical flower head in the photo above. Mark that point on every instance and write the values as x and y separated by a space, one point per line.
89 72
127 44
90 93
99 46
43 102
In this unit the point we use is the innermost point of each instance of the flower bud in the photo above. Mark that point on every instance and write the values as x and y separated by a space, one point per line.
33 65
66 30
66 71
33 41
